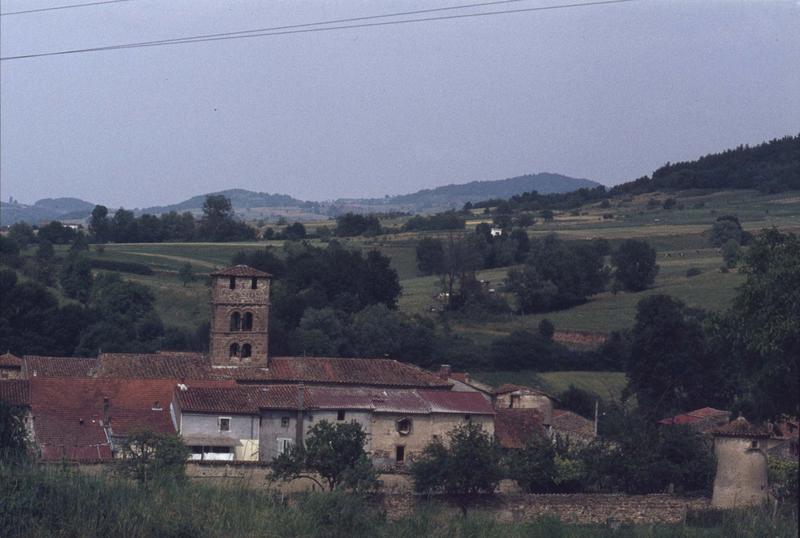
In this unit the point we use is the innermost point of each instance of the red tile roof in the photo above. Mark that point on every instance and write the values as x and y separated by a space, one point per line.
38 366
327 370
740 427
233 400
9 360
241 270
162 365
695 416
570 423
514 428
68 414
442 401
15 392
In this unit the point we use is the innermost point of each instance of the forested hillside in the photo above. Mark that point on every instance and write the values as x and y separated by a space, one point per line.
771 167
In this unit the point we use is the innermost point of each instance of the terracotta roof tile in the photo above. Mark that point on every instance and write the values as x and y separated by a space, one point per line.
514 428
233 400
9 360
740 427
15 392
163 365
442 401
327 370
570 423
242 271
39 366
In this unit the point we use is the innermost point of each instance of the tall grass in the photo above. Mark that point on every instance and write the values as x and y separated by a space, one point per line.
37 502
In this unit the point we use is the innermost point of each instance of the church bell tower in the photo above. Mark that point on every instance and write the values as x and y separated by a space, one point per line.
240 316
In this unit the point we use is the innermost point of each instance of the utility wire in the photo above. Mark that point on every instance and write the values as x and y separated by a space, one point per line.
303 29
54 8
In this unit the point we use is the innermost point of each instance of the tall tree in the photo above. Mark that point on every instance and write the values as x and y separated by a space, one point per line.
99 226
635 265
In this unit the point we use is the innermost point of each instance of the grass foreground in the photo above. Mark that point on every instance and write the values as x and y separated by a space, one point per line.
38 502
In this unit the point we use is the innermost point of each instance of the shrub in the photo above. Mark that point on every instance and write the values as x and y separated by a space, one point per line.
693 271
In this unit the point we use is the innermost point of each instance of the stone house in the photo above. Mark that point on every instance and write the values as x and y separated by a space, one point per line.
219 423
573 426
510 396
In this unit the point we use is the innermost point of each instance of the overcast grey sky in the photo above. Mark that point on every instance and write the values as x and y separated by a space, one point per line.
605 92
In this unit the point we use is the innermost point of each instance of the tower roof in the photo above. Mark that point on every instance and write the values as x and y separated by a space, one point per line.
740 427
241 270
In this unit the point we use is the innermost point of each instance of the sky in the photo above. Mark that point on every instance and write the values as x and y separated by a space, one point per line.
605 92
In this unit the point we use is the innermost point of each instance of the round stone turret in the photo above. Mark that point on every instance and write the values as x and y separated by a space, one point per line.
240 316
741 451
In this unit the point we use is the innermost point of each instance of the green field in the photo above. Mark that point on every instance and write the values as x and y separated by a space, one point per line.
678 235
606 385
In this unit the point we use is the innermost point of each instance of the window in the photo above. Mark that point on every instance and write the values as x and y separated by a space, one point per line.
754 444
247 321
236 321
404 426
284 443
340 414
224 424
234 350
399 454
284 422
247 350
514 403
232 283
254 284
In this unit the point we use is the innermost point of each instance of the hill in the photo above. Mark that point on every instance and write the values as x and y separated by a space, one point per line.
454 196
240 199
45 209
770 167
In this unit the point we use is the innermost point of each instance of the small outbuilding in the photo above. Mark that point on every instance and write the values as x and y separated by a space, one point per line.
741 451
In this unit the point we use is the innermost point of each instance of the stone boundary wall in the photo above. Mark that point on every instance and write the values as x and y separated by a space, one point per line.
570 508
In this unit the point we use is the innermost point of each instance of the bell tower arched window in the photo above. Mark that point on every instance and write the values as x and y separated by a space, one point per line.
234 350
246 351
232 283
247 321
236 321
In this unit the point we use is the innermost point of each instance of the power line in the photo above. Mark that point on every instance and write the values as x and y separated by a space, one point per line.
303 29
70 6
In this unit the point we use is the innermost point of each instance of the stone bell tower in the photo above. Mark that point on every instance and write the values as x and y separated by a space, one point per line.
240 316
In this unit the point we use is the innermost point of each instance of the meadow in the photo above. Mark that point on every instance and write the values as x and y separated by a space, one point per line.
44 502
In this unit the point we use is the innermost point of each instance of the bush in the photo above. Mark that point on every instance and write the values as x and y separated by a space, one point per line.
693 271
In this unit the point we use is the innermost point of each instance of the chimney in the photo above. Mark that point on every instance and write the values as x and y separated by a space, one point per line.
445 371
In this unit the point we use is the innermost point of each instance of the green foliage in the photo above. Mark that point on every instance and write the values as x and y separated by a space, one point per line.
295 232
768 167
578 401
468 464
760 335
641 458
783 479
76 278
448 220
635 265
534 467
334 453
430 256
149 456
558 274
99 225
218 222
668 366
13 435
547 329
730 253
726 228
22 234
352 224
186 274
56 233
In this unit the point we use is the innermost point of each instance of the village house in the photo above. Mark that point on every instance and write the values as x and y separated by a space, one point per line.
510 396
10 366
